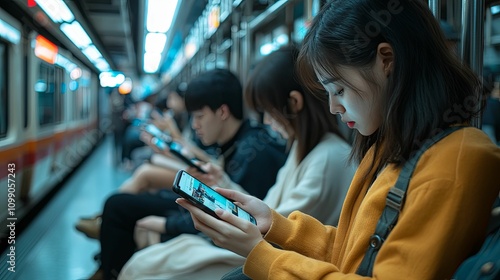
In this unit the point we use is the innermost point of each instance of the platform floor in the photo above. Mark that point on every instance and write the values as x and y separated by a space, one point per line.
50 248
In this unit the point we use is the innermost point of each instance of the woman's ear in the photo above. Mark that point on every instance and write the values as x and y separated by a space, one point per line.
296 101
385 58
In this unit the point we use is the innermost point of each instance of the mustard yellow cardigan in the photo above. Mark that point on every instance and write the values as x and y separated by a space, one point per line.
442 222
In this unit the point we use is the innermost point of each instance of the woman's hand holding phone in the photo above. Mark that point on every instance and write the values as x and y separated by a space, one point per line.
231 232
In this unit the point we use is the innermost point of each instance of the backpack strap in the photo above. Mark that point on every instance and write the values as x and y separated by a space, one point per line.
394 202
494 223
485 263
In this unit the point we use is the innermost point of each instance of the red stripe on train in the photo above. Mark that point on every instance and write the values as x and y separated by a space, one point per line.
29 153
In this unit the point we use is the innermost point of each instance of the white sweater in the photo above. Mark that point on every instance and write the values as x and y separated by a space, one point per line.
318 185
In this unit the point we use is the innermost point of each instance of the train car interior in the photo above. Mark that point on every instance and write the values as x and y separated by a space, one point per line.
69 68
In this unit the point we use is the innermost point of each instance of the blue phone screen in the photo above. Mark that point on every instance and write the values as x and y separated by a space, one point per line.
209 197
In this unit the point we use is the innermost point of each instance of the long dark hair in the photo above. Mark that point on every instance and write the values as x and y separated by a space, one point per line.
268 89
428 89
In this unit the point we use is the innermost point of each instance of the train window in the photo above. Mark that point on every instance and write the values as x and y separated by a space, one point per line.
4 108
45 89
493 24
83 97
49 87
79 112
61 90
26 111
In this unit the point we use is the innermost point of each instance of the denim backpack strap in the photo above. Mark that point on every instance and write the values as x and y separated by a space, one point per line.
394 203
235 274
485 264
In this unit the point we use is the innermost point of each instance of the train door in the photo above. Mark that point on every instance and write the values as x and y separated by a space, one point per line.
11 117
86 114
62 136
46 90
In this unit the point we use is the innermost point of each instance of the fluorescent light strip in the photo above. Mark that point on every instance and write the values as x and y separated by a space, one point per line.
102 65
65 63
10 33
92 53
56 10
495 9
151 62
76 34
160 14
155 42
59 12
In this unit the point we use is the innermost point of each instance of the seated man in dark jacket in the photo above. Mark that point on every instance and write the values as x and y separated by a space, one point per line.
250 158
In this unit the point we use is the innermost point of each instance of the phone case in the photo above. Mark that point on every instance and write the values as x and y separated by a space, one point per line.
210 194
178 190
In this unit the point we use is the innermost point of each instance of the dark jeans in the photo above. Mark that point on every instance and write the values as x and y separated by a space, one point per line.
131 141
121 212
235 274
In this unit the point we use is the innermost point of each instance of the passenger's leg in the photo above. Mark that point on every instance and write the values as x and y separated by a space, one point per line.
131 141
144 237
121 212
148 177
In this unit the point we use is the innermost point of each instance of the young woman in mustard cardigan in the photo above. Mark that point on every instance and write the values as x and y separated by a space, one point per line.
386 70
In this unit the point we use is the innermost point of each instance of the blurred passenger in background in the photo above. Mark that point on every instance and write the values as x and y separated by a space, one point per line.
451 35
137 114
491 114
118 124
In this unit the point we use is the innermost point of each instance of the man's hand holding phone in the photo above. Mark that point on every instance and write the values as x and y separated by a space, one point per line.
167 122
164 144
156 132
183 154
212 176
149 140
230 231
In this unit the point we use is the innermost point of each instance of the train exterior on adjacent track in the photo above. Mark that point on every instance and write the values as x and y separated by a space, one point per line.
49 120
